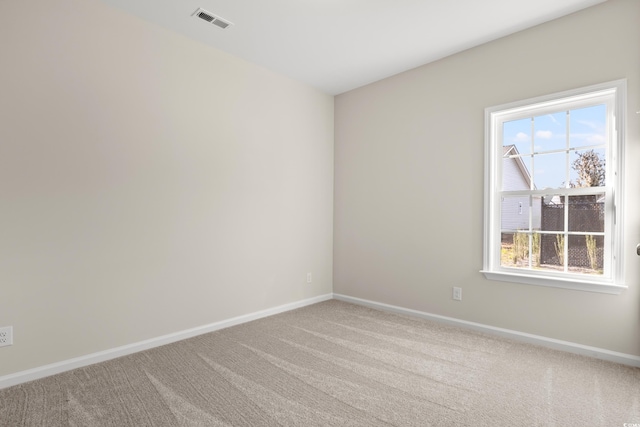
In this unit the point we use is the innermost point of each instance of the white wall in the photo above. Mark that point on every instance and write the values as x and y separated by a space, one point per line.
409 179
148 184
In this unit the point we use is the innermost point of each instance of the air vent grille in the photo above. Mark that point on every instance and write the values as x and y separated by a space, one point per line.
212 19
220 23
205 16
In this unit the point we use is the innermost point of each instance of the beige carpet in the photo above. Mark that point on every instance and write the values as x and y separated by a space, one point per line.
334 364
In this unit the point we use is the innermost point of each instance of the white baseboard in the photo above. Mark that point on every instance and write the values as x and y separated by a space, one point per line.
90 359
584 350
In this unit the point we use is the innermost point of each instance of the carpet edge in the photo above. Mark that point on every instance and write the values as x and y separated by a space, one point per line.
102 356
552 343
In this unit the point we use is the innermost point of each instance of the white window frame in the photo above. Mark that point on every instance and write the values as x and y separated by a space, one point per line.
614 95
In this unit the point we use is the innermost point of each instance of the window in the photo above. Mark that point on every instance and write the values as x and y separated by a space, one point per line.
553 180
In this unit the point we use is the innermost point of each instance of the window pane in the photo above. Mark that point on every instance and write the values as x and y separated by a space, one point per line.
586 254
550 132
515 213
552 252
588 126
588 168
536 213
552 213
549 170
516 173
514 250
586 213
517 133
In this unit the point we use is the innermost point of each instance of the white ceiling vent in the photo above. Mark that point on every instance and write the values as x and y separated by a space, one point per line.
211 18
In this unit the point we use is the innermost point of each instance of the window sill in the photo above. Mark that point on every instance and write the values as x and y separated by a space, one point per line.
556 282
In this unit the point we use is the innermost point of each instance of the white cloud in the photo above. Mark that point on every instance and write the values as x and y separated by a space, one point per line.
521 137
544 134
590 124
589 138
596 139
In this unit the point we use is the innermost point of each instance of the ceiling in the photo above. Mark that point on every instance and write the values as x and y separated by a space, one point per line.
339 45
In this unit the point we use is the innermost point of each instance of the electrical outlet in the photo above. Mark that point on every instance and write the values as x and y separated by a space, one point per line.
457 294
309 278
6 336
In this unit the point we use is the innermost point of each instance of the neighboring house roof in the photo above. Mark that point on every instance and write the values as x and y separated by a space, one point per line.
511 152
518 212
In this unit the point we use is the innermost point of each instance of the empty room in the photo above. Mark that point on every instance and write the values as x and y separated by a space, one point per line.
310 213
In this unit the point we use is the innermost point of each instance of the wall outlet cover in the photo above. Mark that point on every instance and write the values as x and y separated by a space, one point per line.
6 336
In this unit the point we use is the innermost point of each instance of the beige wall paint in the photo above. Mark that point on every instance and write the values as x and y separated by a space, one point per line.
409 179
148 184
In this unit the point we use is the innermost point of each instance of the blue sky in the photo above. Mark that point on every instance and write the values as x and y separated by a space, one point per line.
587 129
